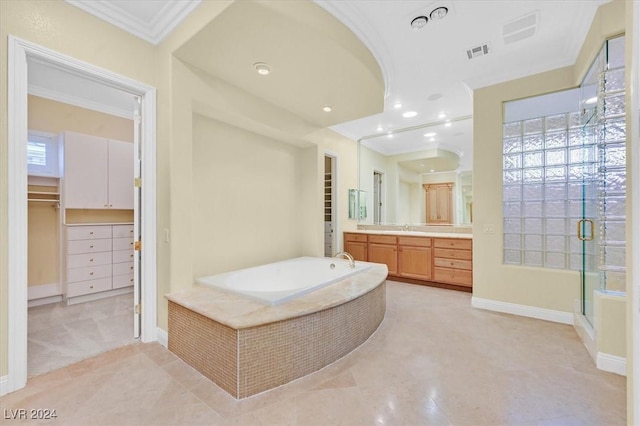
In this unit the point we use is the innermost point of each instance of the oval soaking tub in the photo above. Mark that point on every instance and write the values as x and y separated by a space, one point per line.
280 282
247 346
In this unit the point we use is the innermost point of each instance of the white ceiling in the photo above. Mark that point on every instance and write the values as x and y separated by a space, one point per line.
426 70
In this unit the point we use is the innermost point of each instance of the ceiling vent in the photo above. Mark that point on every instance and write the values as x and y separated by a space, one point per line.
477 51
520 28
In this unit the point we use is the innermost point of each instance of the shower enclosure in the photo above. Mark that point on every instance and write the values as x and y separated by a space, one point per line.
601 227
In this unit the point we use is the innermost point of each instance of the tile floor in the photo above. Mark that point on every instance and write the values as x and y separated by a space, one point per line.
60 335
434 360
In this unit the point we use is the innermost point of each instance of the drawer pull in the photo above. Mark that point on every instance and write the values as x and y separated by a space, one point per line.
91 233
131 231
90 286
90 246
131 280
131 256
91 260
451 264
90 273
131 268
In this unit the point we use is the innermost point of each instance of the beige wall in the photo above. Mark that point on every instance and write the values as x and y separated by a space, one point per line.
247 203
51 116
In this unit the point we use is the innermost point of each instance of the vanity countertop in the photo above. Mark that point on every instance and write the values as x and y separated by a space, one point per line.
414 233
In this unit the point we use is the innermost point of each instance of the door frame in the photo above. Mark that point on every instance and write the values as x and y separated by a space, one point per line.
19 52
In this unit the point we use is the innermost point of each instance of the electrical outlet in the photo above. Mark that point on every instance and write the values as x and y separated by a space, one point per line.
489 229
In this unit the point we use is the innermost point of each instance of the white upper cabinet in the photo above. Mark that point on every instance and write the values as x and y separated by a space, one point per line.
120 179
98 173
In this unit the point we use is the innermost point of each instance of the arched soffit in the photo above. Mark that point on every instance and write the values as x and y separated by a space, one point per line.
315 60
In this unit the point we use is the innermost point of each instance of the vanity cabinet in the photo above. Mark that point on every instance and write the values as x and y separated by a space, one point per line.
414 257
356 245
99 258
98 173
453 261
384 249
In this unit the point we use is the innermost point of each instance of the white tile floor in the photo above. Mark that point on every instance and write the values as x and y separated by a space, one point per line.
60 335
434 360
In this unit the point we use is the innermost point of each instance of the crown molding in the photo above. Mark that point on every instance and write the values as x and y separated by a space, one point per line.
165 20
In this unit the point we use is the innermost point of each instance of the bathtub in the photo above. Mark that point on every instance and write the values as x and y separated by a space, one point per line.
280 282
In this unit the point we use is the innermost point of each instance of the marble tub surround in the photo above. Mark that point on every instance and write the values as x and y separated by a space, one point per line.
247 348
238 312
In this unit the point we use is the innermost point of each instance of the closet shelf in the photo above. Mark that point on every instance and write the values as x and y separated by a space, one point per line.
42 193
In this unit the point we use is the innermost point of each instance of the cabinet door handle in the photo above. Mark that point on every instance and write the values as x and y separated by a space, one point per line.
90 286
131 268
131 280
91 260
90 273
90 246
91 233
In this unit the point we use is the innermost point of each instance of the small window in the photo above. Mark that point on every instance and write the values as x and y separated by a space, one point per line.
42 154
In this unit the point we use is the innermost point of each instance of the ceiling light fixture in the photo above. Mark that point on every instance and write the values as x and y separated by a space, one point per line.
429 135
409 114
419 22
390 135
432 140
447 123
442 115
397 105
438 13
327 108
262 68
379 129
432 170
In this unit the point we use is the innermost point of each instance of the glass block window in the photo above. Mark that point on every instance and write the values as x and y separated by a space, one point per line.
544 161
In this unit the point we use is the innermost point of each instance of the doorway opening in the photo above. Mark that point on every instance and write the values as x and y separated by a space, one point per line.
22 56
329 208
377 197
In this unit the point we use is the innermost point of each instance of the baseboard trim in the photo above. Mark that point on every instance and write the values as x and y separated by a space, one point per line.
97 296
43 291
45 301
4 385
611 363
523 310
162 337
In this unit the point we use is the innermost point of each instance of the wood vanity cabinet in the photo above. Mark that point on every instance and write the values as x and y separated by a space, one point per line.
356 245
384 249
453 261
438 198
414 257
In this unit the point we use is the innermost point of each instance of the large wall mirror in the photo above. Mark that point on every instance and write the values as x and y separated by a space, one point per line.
417 176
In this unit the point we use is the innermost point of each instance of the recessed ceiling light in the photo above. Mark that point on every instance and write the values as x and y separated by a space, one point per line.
390 135
379 129
397 105
432 170
327 108
432 140
438 13
409 114
442 115
591 100
447 124
419 21
262 68
429 135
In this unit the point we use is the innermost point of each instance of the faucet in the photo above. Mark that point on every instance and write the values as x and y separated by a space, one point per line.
352 262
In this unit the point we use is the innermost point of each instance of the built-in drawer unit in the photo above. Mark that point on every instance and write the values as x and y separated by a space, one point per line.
453 261
99 258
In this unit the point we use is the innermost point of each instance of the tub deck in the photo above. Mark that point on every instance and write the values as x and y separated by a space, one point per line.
246 347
